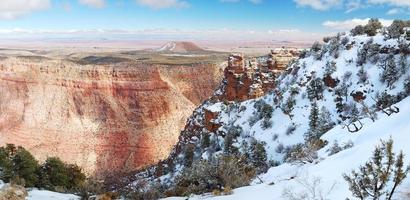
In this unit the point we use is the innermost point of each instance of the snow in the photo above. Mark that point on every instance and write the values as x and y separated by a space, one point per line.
330 169
36 194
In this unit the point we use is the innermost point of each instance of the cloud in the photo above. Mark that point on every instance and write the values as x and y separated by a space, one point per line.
235 1
351 23
12 9
93 3
161 4
405 3
164 34
350 5
319 4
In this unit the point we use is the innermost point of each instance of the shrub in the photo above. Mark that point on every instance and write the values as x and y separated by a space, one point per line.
358 30
23 165
291 129
303 153
390 73
258 156
396 29
19 166
372 27
315 89
406 85
380 176
207 176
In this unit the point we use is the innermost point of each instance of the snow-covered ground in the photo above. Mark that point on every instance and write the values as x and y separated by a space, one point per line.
35 194
48 195
327 174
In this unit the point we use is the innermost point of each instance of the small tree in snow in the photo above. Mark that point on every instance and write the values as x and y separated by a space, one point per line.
313 132
390 73
372 27
325 121
379 177
315 89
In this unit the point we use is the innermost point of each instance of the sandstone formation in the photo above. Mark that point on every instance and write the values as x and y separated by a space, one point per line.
248 79
116 117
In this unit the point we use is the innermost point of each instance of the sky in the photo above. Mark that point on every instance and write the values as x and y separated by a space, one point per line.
192 19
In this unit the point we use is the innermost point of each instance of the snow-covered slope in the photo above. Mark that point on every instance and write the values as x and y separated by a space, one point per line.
339 92
328 172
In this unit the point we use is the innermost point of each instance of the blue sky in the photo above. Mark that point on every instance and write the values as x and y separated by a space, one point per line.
257 17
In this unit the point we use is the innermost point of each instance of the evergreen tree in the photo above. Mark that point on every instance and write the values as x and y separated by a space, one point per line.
53 173
396 29
25 166
390 72
363 76
259 156
372 26
313 132
380 176
330 68
325 121
315 89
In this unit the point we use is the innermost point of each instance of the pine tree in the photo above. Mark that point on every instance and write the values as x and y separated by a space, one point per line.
390 72
325 122
374 178
363 76
259 156
54 173
25 166
372 26
315 89
330 68
313 132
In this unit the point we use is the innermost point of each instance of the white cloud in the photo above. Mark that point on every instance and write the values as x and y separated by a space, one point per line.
235 1
93 3
12 9
319 4
351 23
165 34
161 4
405 3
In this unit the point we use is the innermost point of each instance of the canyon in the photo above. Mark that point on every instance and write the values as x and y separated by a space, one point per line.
115 117
116 111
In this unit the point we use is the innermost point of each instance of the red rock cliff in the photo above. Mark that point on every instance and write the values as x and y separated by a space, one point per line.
103 118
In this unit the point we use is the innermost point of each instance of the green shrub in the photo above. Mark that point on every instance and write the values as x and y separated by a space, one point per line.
380 176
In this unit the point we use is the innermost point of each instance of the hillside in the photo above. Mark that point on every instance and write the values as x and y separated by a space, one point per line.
329 171
351 81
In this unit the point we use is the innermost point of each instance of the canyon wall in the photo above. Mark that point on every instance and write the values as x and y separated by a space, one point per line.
116 117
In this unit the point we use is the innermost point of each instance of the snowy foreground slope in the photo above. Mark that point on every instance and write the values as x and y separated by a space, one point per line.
327 174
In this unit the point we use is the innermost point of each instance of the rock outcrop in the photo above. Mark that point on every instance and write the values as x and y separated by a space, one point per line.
116 117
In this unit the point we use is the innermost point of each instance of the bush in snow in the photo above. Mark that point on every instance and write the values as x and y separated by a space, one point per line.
258 156
291 129
315 89
312 189
379 177
406 85
303 153
206 176
358 30
396 29
336 148
390 73
363 76
289 105
280 148
330 68
372 27
319 123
